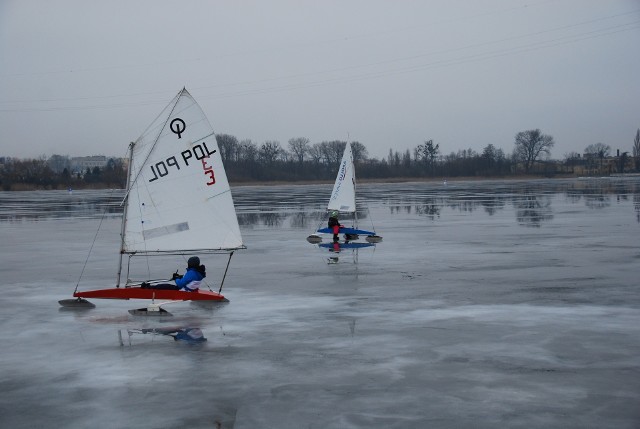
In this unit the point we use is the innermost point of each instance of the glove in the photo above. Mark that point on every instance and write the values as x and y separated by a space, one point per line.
176 276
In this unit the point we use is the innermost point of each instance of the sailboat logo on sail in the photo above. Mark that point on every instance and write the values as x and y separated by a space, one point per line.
177 127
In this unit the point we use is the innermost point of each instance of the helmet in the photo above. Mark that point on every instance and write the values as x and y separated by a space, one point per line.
334 213
193 262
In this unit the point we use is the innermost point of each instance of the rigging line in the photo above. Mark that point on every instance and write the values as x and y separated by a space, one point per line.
225 273
371 219
95 237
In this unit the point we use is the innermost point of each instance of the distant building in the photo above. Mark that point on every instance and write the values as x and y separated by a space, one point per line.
81 163
57 163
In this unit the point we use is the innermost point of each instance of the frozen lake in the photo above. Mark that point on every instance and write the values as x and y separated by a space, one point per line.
488 304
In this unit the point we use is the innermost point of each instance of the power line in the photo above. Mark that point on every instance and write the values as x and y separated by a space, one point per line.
526 47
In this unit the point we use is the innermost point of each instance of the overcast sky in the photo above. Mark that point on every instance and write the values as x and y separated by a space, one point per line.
83 77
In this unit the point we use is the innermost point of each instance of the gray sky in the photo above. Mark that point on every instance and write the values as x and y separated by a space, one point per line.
83 77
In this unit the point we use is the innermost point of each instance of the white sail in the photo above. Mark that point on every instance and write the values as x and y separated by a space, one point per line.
343 197
178 198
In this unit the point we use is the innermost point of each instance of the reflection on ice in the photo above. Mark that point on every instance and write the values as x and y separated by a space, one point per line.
41 205
186 334
532 200
304 206
532 210
350 247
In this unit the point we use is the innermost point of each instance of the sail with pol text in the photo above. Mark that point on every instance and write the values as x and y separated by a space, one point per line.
178 198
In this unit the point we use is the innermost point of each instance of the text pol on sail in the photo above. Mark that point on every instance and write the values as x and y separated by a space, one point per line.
163 168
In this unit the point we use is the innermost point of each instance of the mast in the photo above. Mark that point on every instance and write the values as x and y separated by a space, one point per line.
124 213
355 200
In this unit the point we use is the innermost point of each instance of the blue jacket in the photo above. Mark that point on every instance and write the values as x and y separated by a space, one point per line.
191 280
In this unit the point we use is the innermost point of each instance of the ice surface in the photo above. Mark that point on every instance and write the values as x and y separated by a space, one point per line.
488 304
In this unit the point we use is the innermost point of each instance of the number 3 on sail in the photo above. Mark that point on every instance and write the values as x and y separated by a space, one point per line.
170 206
208 171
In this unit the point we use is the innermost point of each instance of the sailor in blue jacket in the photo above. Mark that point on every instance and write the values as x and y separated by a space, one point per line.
189 282
192 278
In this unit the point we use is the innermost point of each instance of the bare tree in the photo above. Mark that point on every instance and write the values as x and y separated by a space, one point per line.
332 151
489 157
315 152
336 149
228 146
428 153
394 158
406 159
269 151
299 146
360 152
284 156
530 145
598 150
247 151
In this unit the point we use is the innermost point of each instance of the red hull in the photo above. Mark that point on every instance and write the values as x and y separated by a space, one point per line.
158 294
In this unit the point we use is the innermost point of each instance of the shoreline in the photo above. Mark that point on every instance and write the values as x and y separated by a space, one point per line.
25 188
402 180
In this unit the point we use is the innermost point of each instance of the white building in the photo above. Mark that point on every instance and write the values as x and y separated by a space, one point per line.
81 163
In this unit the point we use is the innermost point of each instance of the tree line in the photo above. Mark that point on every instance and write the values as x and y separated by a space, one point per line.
27 174
245 161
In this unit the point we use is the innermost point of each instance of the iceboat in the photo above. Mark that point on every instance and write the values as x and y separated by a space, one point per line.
177 202
343 200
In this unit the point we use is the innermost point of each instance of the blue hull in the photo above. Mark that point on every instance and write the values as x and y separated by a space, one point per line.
343 246
351 231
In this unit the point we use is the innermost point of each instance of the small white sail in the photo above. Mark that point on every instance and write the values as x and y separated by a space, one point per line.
178 197
343 197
